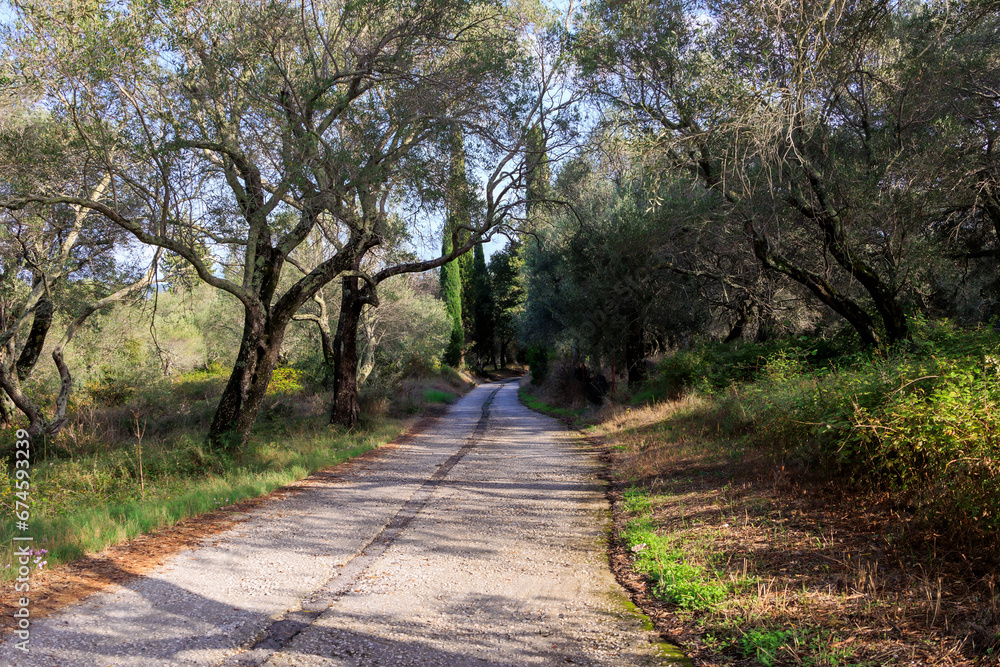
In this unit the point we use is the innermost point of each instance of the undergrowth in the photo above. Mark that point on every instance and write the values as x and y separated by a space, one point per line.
801 502
89 503
921 424
667 561
574 416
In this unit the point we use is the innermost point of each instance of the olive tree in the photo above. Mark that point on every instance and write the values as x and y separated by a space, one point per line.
814 123
531 103
57 265
247 125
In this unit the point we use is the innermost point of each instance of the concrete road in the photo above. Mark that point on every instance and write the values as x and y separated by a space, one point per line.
478 542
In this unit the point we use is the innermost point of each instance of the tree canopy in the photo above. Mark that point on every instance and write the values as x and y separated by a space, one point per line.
744 169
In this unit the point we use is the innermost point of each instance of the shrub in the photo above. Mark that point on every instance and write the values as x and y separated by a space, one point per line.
286 381
538 362
919 424
438 396
712 366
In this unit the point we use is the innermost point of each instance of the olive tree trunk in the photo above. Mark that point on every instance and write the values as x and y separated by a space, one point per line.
346 407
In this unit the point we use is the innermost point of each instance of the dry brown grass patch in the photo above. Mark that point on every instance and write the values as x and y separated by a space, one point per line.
803 557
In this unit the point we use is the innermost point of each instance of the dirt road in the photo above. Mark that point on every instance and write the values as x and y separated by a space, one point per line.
478 542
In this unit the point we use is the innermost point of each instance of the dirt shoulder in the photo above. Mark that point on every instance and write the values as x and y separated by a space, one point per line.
812 574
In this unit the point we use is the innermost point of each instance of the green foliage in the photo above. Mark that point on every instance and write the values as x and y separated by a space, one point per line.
539 186
456 276
538 362
125 368
712 366
451 293
201 384
635 501
765 645
918 424
456 342
594 282
507 296
438 396
285 381
537 404
675 578
812 647
483 327
404 336
467 271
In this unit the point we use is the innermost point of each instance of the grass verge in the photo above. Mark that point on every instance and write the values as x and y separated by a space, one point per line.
438 396
86 504
755 563
575 417
89 494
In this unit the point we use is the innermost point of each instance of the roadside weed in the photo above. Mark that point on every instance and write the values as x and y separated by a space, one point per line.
676 578
765 645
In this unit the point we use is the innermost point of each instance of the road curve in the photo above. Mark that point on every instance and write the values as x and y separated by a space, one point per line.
478 542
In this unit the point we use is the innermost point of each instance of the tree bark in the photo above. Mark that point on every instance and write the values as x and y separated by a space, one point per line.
32 349
264 327
815 283
736 331
346 408
244 394
7 409
222 432
835 240
36 418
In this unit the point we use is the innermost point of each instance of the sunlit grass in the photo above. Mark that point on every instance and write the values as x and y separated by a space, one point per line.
539 405
438 396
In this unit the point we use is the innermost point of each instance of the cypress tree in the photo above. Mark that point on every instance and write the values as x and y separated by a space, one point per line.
483 330
452 280
451 292
468 293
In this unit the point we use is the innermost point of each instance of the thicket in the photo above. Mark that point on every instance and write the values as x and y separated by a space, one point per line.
918 423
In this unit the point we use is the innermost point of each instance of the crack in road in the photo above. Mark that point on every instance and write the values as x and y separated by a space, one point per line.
284 629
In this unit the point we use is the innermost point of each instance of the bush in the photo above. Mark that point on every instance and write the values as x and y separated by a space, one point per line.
919 424
285 381
438 396
538 362
712 366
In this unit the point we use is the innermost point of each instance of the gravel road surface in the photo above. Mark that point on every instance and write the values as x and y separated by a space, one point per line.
478 542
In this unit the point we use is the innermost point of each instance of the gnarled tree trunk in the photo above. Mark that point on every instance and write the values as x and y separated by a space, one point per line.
818 285
346 408
241 399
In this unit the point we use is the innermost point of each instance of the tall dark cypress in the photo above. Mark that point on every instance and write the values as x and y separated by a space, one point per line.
482 338
451 273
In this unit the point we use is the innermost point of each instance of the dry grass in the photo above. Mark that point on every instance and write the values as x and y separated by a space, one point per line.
826 576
